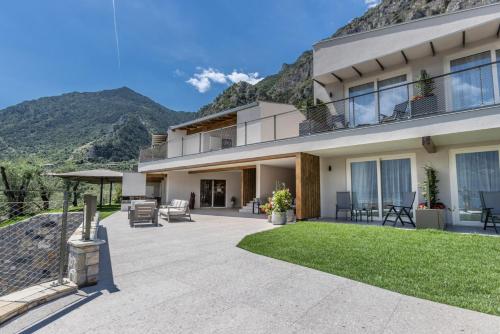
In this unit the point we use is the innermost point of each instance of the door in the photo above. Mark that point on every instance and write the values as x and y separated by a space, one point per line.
473 171
362 105
212 193
206 193
377 182
219 194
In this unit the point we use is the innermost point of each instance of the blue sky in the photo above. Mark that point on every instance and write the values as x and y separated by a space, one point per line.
55 46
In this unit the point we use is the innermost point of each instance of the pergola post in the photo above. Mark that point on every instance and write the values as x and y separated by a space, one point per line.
100 197
110 191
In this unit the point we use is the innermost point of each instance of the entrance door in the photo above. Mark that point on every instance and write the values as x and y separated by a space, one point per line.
219 193
474 170
212 193
206 193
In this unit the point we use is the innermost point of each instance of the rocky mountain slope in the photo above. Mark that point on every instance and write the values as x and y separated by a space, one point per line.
97 127
293 84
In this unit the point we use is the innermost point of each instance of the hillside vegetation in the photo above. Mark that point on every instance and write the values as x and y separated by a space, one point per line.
99 127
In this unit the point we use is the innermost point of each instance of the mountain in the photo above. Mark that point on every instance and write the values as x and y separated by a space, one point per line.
293 83
97 127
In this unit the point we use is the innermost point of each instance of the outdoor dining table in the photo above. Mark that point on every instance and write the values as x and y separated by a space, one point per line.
365 207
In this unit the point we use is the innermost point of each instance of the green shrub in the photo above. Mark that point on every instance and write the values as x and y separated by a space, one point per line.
282 200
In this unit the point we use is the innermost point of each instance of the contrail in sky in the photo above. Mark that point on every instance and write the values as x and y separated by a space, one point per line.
116 35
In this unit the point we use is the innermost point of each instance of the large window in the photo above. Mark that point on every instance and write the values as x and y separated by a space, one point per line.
362 109
396 180
472 86
388 178
364 186
475 172
389 97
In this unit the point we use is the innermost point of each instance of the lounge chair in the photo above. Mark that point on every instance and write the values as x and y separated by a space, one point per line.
403 209
145 212
176 208
491 202
344 203
400 112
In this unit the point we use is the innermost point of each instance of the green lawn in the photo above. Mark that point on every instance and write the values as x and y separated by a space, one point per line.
105 211
451 268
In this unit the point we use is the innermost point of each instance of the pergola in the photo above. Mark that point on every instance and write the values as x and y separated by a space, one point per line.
95 176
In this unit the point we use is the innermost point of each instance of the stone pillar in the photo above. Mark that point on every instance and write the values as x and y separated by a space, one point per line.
83 262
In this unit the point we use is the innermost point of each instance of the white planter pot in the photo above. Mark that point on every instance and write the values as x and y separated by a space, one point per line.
430 218
290 216
279 218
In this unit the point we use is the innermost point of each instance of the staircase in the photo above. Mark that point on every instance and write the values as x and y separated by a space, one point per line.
247 208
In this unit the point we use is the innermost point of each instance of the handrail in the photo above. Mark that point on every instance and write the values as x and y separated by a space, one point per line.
308 111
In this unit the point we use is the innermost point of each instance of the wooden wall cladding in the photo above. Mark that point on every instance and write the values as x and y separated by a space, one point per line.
248 185
308 201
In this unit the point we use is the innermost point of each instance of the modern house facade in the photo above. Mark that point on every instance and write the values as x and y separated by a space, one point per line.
388 102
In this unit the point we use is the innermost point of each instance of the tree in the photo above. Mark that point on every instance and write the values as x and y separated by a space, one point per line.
16 178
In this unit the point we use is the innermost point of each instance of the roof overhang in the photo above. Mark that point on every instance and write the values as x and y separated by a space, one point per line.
353 56
201 124
95 176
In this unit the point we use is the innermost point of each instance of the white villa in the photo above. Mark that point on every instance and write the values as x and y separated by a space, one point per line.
388 102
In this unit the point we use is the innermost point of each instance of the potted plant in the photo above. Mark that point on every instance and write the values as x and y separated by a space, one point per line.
268 209
282 201
424 102
233 201
430 214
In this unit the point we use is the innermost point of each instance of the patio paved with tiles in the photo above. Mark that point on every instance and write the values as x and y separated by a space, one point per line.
190 278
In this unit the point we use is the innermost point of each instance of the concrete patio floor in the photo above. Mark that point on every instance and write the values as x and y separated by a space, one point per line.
190 278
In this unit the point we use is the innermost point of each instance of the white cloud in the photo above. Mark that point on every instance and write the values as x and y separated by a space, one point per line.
372 3
251 78
203 81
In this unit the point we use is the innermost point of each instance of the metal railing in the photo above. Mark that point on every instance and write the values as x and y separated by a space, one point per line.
463 90
33 235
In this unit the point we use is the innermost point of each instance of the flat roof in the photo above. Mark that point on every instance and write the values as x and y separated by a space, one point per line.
216 115
410 22
91 176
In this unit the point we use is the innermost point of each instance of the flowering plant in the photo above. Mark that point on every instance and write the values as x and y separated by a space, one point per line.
282 200
268 207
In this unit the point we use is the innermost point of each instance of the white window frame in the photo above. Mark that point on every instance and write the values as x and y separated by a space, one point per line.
378 159
375 79
454 179
492 47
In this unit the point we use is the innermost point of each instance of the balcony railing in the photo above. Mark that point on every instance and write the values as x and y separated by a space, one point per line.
462 90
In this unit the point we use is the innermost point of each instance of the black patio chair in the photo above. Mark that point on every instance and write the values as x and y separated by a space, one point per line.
484 210
344 203
491 205
404 209
400 112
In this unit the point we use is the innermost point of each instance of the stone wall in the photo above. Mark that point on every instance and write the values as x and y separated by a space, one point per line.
29 250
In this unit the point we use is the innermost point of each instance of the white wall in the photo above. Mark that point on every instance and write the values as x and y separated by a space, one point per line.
134 184
179 185
334 181
267 176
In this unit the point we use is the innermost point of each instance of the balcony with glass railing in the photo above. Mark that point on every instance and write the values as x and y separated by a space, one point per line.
466 89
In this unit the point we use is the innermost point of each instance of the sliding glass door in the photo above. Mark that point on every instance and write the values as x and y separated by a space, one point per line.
362 109
378 182
472 85
364 185
396 180
212 193
474 171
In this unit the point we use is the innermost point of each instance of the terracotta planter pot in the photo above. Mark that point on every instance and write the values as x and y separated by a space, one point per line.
430 218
